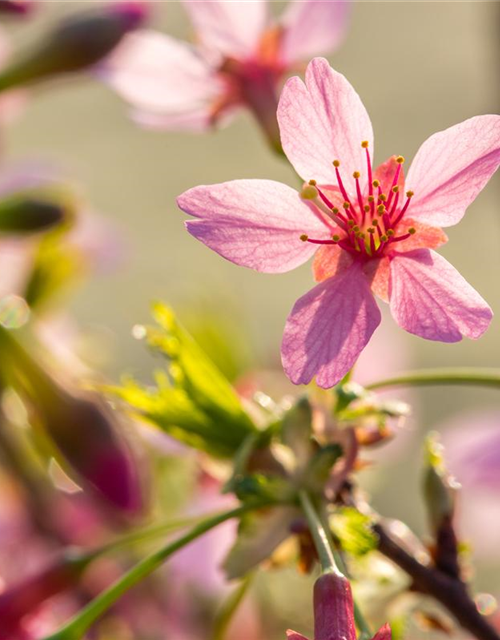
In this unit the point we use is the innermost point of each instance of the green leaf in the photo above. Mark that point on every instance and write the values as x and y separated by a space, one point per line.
353 529
192 401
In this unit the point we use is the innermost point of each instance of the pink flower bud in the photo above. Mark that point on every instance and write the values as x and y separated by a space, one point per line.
76 43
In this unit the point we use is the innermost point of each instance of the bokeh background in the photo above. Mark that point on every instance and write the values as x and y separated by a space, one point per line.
419 67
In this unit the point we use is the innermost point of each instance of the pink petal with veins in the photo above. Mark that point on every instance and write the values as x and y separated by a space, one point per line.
323 120
253 223
451 168
431 299
328 328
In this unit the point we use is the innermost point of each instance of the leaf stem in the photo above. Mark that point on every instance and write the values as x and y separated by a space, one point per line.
465 376
84 619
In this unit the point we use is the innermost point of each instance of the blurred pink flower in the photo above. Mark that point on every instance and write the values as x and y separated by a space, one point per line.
334 612
367 242
241 57
472 453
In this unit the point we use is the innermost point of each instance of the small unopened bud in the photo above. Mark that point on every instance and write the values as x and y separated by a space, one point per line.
77 43
16 7
82 427
30 213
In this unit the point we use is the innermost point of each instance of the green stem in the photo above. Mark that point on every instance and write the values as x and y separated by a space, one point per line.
229 608
85 618
358 616
324 549
330 558
477 377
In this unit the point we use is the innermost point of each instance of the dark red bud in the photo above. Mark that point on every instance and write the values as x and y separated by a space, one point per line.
16 7
333 608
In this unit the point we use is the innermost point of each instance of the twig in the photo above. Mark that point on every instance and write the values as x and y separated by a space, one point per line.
450 592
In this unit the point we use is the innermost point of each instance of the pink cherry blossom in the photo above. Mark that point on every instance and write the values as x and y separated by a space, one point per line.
241 56
369 236
334 611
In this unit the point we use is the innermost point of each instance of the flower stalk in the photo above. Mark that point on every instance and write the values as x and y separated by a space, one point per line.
85 618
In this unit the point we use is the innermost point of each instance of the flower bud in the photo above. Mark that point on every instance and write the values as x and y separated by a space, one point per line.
82 427
77 43
29 213
25 596
16 7
333 608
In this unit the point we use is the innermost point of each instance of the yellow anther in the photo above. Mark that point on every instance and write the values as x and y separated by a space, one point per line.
412 230
390 232
356 175
304 237
409 194
346 205
309 192
313 183
351 223
335 238
381 209
375 223
376 183
366 207
362 235
395 189
371 230
355 228
336 163
383 238
371 199
382 197
335 210
364 144
400 159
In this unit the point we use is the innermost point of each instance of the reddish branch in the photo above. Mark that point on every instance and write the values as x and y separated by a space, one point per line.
450 592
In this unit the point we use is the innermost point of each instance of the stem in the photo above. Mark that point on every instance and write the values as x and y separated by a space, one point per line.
358 616
230 607
329 556
478 377
84 619
450 592
324 549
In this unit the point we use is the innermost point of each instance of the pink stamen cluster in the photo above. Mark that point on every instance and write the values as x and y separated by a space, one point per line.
367 222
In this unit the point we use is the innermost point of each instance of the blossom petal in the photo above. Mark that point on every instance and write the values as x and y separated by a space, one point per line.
313 27
321 121
451 168
424 236
384 633
328 328
379 272
432 300
330 260
230 27
253 223
385 173
158 74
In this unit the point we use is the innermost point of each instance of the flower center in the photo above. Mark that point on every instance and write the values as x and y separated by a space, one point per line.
367 223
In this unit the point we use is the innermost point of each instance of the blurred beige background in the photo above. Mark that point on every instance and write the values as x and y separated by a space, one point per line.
419 68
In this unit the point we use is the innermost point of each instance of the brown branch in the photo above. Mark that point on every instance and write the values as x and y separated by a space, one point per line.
450 592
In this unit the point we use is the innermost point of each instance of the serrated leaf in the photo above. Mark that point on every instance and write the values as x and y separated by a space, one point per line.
192 401
353 529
